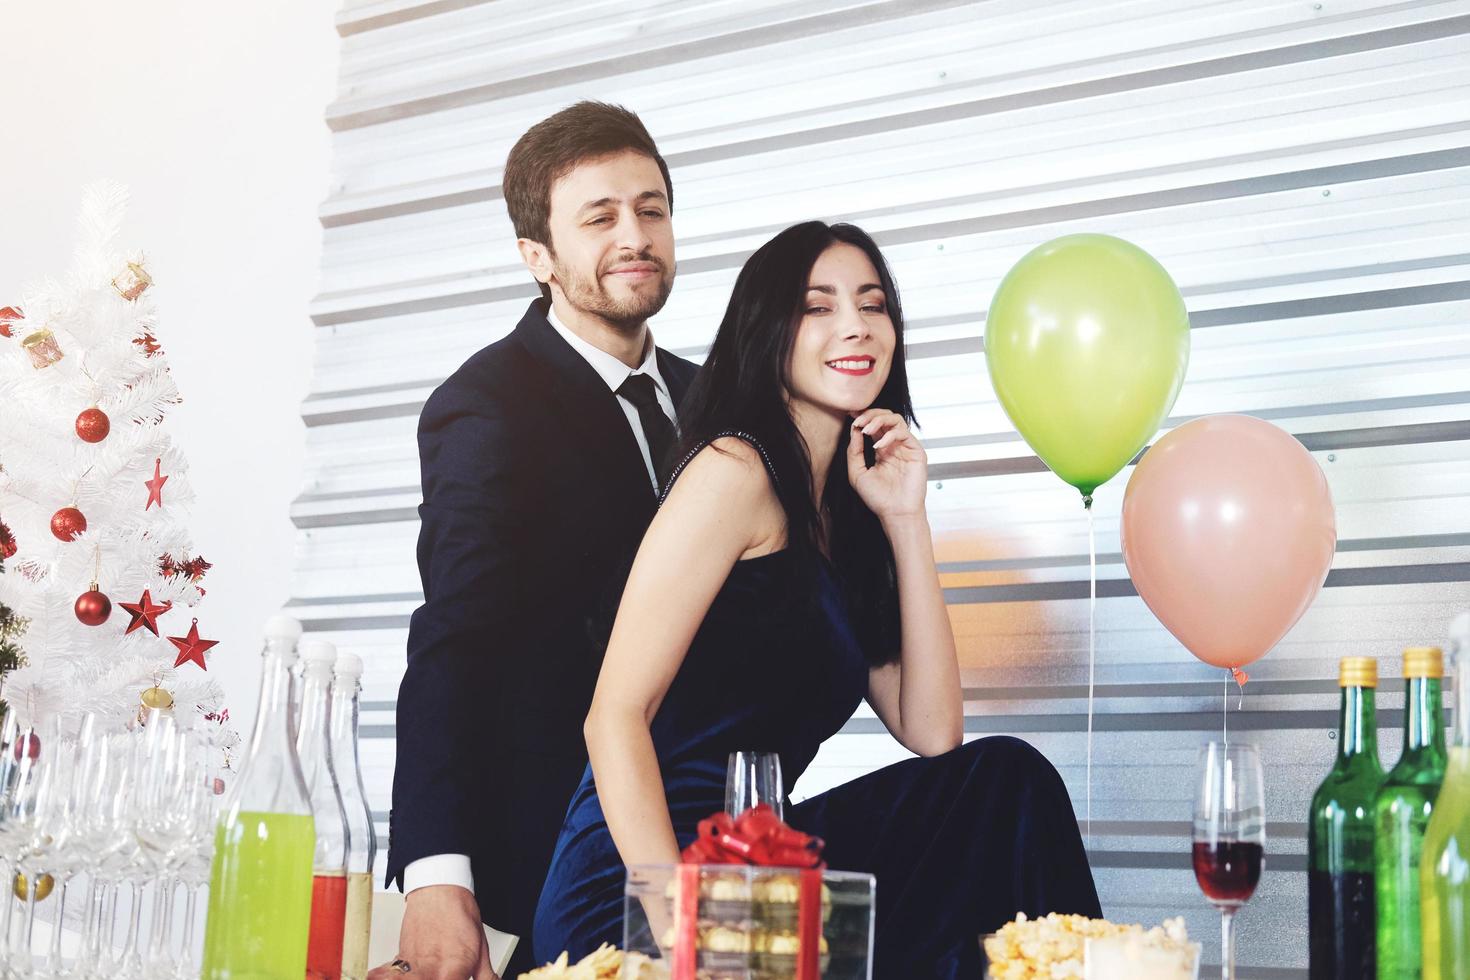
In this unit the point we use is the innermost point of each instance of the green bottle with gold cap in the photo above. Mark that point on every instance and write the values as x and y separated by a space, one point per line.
1340 892
1401 813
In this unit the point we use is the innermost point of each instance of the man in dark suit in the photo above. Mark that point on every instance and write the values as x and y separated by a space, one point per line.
541 457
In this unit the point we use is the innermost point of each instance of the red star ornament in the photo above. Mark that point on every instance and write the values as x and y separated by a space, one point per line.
144 613
155 485
191 647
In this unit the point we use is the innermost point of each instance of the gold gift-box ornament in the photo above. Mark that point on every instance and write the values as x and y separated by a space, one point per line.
131 282
43 348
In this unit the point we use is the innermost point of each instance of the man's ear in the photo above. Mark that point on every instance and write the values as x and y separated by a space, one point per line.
537 258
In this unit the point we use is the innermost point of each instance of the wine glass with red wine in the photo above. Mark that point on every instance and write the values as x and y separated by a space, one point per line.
1229 835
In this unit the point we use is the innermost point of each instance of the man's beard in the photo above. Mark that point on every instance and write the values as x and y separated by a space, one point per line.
591 296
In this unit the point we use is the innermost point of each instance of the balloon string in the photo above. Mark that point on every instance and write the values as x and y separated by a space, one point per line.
1225 711
1091 653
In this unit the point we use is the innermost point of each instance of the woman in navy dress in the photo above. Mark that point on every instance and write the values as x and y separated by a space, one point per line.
789 575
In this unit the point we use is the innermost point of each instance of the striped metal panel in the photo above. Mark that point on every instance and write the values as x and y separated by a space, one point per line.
1302 169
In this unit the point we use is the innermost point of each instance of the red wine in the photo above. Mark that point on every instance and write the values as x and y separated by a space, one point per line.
1228 871
1343 940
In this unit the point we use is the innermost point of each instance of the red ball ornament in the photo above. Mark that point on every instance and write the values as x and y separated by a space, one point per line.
8 545
93 425
93 607
28 747
67 523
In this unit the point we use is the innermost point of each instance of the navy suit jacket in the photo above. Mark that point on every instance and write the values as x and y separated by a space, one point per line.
535 499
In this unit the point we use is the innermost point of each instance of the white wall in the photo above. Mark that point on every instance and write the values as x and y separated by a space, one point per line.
212 114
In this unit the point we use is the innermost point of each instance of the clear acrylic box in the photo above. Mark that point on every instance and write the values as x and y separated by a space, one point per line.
747 922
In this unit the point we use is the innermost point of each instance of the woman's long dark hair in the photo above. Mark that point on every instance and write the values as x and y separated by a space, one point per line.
744 386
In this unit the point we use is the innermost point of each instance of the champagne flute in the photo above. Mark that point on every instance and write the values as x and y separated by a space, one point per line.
1229 835
752 778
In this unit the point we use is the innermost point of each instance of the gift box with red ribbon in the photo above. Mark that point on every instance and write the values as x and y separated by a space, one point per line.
751 899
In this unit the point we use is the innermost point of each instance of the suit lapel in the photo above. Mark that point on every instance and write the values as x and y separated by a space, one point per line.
589 404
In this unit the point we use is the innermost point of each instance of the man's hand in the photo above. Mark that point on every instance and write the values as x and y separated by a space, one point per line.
441 938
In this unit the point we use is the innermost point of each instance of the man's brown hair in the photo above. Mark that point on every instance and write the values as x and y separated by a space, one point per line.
553 147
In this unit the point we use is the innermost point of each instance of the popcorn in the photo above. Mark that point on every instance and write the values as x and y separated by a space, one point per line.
604 963
1055 947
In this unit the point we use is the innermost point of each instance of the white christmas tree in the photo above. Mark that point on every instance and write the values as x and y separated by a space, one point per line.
93 496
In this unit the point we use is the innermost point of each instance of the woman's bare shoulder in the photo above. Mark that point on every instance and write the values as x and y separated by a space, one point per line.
729 467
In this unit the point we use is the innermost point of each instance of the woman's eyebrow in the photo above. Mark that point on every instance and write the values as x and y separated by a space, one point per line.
832 290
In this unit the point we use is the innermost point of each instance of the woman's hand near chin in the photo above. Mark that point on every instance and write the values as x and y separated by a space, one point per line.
918 697
893 487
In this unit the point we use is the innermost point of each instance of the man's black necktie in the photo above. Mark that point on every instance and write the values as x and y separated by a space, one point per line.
657 429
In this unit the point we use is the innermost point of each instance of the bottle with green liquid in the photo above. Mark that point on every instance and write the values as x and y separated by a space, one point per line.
1444 870
260 881
1401 813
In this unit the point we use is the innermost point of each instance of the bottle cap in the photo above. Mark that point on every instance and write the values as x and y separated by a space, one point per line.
315 651
282 627
1423 662
349 665
1357 672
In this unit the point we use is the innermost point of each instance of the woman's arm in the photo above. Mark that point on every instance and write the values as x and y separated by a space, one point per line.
719 510
918 697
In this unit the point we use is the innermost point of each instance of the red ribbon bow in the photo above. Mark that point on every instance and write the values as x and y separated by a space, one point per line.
757 837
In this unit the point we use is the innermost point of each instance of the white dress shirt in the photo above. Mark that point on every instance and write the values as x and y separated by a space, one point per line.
454 869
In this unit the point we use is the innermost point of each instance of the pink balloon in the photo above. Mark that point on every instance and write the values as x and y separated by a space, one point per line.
1228 533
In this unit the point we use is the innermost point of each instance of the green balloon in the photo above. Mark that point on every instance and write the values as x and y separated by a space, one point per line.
1087 342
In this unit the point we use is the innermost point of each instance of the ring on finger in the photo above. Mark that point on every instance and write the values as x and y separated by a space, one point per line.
401 966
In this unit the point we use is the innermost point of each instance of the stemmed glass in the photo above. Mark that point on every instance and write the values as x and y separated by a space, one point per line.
1229 835
39 823
106 771
65 824
135 861
115 846
165 810
198 854
752 778
10 733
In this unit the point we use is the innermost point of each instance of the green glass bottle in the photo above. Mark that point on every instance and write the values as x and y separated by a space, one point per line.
1401 814
1444 871
1340 895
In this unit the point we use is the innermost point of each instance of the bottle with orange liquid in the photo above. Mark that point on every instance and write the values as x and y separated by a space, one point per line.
362 842
329 865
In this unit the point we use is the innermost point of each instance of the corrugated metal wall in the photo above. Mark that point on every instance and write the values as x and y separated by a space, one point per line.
1302 169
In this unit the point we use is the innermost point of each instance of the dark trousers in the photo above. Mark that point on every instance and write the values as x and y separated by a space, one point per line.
959 844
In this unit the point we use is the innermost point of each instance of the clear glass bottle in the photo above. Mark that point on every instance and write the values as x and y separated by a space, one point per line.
1401 813
362 839
260 880
329 865
1444 871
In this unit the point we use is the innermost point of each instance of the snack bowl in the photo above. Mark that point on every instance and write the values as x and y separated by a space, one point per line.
1128 958
1089 949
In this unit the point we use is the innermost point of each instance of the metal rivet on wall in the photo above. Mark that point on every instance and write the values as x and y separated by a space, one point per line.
1326 193
939 485
1332 457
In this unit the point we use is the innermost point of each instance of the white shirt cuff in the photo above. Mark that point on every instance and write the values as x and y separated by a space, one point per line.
439 869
